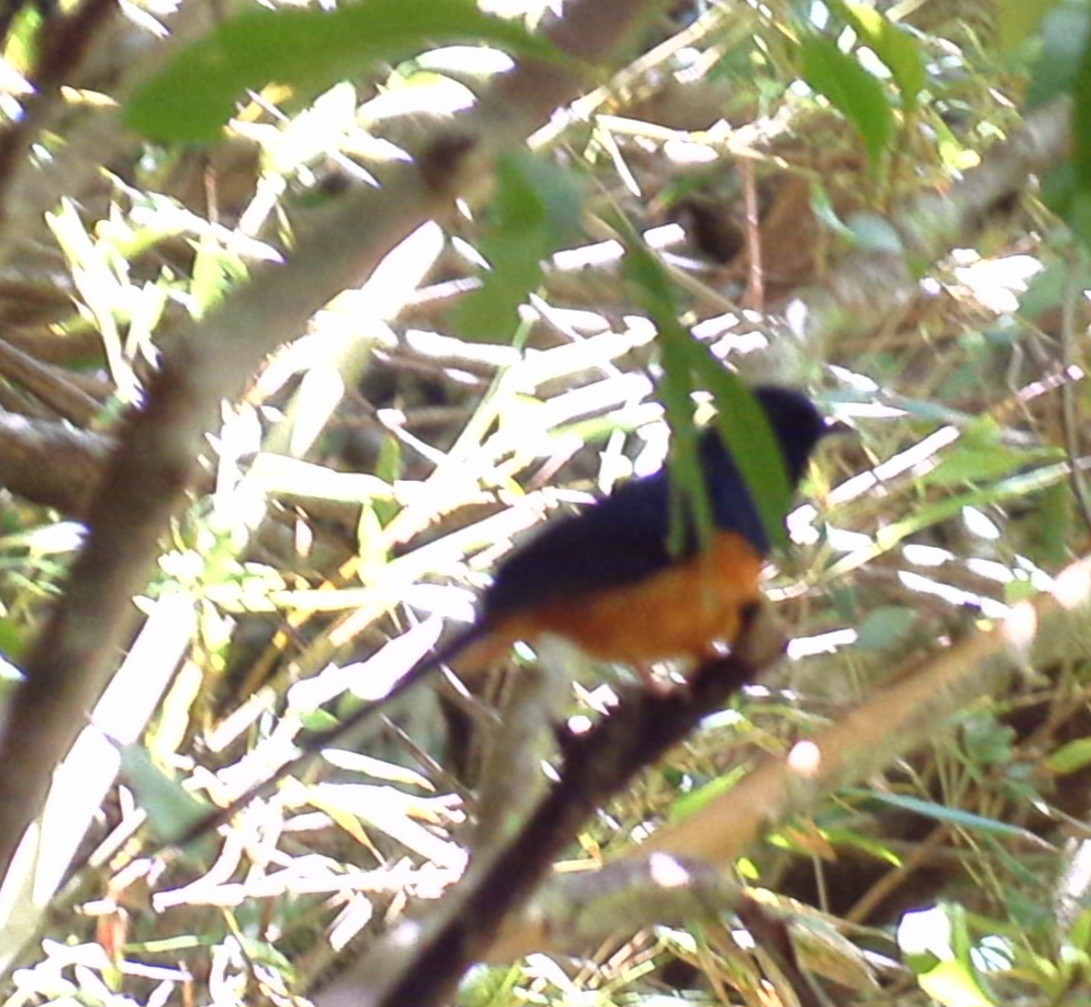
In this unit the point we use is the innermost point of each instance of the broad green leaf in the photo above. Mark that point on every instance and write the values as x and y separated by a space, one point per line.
687 366
897 49
534 212
22 47
688 497
823 208
1079 934
215 270
308 50
1070 757
1057 188
1078 215
954 985
1048 531
692 802
318 720
688 491
851 90
986 741
12 642
980 456
885 626
1064 39
1046 290
876 234
171 809
1016 22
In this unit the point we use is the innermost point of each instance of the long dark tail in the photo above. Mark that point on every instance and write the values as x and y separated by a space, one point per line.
317 741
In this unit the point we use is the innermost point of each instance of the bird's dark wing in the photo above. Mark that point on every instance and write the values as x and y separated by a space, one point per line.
617 541
620 540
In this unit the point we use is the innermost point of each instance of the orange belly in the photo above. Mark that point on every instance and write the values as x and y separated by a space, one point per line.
681 612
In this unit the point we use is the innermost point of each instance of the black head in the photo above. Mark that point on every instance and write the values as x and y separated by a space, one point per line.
797 424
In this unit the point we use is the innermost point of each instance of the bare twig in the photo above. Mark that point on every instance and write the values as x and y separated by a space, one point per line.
48 385
51 463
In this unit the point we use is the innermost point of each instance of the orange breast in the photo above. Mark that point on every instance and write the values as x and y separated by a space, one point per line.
681 612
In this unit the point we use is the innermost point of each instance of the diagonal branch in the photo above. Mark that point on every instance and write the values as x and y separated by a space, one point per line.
422 968
894 721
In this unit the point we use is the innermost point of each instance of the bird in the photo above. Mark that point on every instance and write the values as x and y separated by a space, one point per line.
606 579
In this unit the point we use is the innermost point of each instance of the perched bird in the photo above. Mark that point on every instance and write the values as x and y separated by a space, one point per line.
606 580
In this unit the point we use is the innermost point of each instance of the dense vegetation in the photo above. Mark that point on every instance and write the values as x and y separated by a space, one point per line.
307 314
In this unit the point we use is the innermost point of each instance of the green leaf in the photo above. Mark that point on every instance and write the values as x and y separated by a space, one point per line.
986 740
689 500
12 643
851 90
745 427
689 496
875 234
823 208
1070 757
309 50
1016 22
171 809
1079 934
942 813
980 457
895 47
1049 529
1079 215
318 720
954 985
692 802
687 366
885 626
868 844
534 212
1046 290
1081 120
263 953
1064 38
